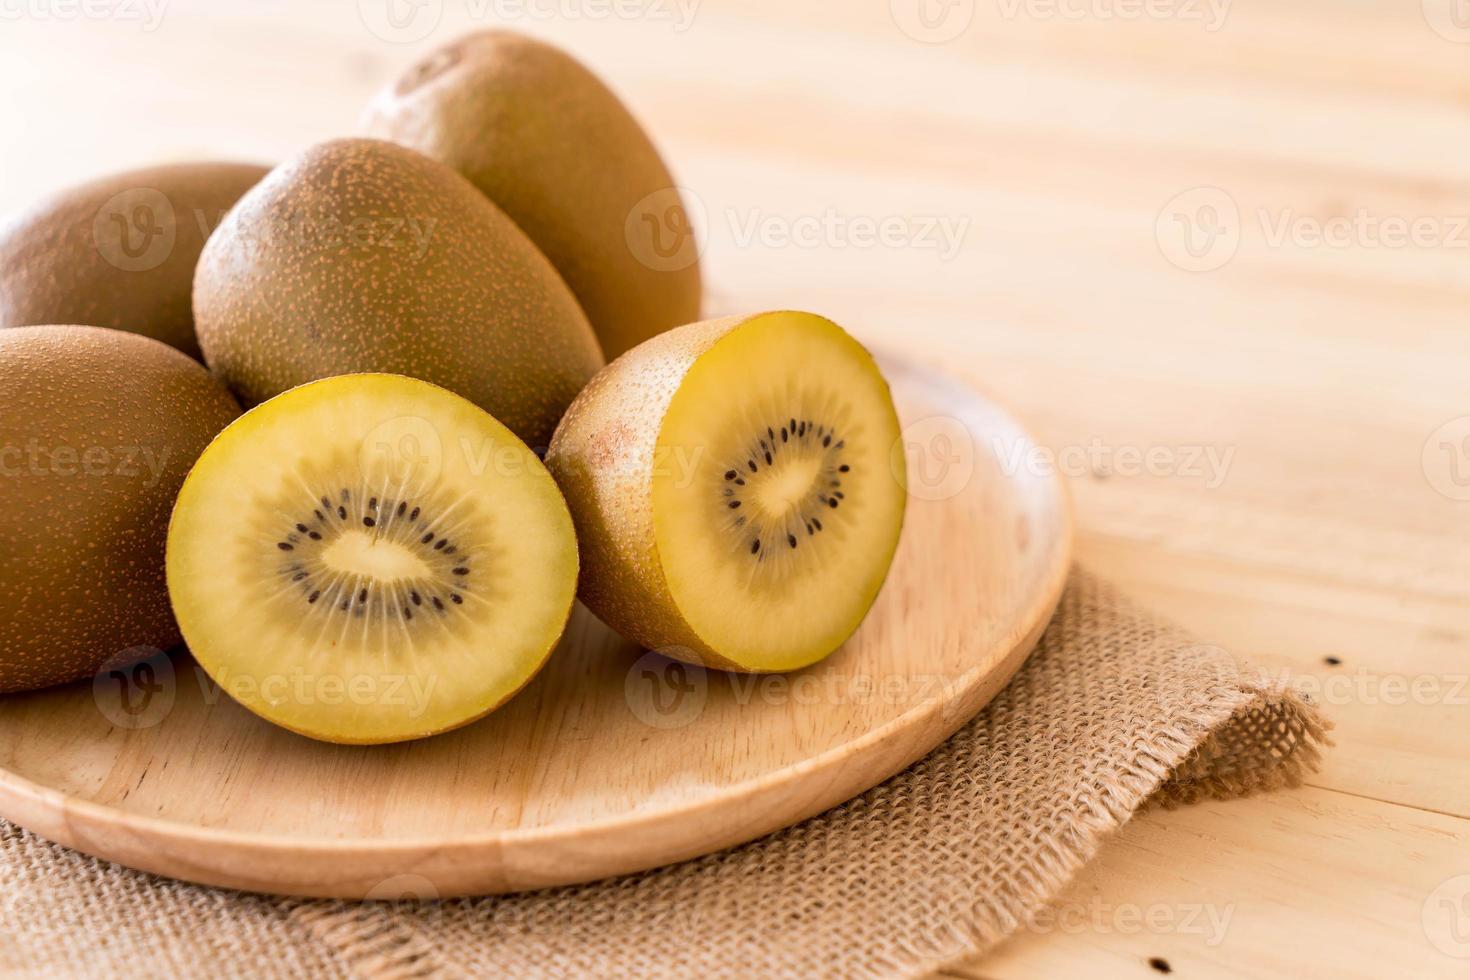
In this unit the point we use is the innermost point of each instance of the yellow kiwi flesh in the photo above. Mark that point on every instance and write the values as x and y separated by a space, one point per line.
369 559
361 256
98 429
735 490
120 251
549 143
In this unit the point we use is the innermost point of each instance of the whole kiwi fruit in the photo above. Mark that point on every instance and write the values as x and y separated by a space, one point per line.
98 429
549 143
120 251
362 256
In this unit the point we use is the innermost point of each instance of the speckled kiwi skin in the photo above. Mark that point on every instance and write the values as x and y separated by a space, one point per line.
602 457
52 269
82 562
546 140
362 256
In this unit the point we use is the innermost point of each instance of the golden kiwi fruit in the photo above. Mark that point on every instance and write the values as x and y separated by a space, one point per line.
735 489
98 429
119 252
362 256
369 559
549 143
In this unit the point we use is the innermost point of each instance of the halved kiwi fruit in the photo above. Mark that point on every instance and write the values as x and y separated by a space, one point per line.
735 490
370 558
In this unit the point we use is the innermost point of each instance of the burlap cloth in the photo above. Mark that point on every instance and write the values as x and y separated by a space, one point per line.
1115 710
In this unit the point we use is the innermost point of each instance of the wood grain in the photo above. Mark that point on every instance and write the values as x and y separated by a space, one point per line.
609 761
1325 369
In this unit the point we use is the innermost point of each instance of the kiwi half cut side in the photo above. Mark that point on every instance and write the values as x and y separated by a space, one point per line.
736 491
370 558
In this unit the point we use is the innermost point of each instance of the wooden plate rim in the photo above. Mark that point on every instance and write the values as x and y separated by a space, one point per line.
34 805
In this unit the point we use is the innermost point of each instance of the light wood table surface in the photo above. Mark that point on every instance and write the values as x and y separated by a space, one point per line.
1217 256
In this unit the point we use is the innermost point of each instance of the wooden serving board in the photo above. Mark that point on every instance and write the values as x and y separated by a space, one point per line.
611 761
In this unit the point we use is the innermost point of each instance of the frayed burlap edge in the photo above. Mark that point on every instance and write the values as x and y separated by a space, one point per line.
1232 738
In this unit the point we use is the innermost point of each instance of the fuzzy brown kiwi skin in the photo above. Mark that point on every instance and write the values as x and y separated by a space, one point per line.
82 570
362 256
54 267
602 457
546 140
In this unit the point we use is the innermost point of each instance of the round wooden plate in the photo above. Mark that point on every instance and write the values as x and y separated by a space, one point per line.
611 761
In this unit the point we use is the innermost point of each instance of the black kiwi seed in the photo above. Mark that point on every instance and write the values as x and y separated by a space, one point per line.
791 540
368 522
768 459
301 528
826 441
414 596
314 535
755 546
285 547
362 596
427 538
456 598
783 433
816 524
832 502
415 515
314 596
439 545
733 505
461 570
843 468
402 508
729 474
373 503
438 605
342 513
299 576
